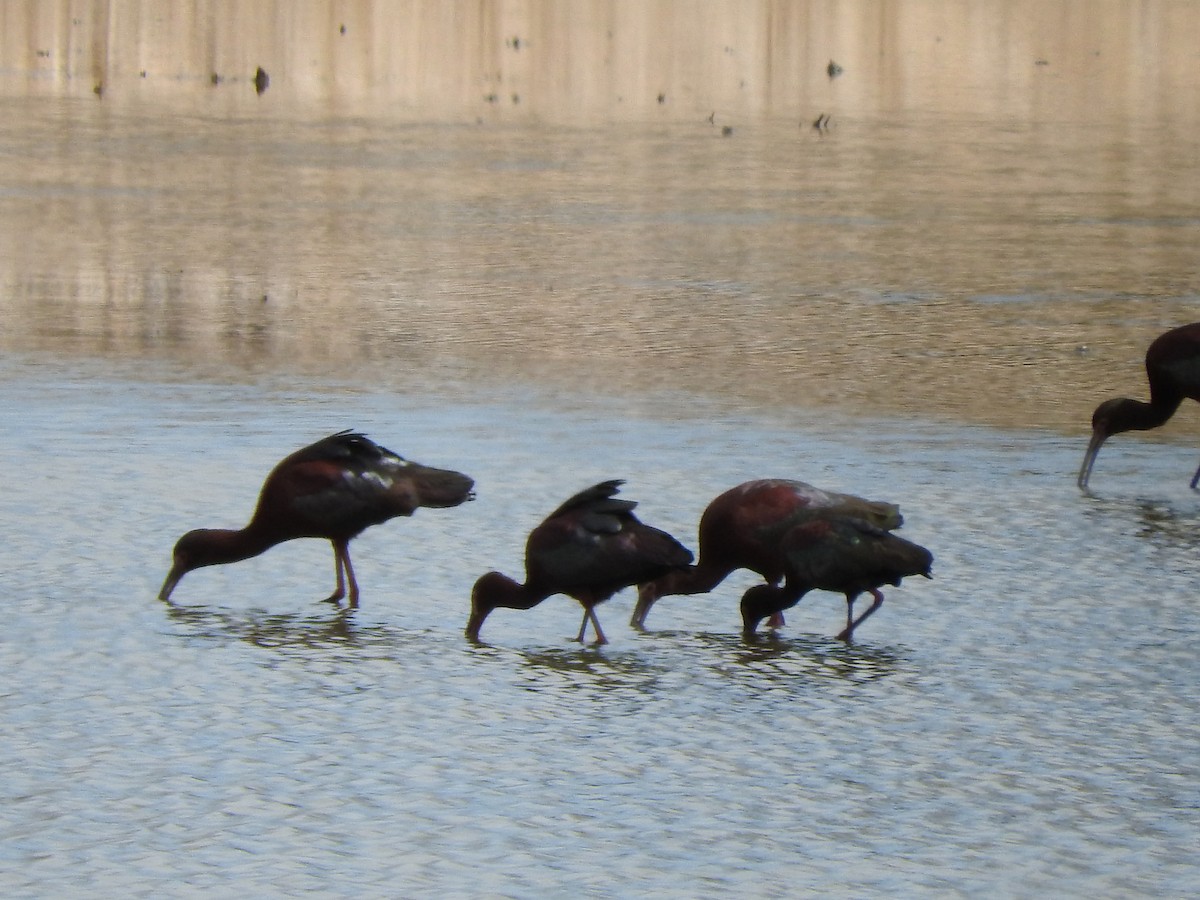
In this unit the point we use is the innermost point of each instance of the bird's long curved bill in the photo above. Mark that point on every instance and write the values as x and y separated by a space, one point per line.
642 608
173 578
1089 458
474 623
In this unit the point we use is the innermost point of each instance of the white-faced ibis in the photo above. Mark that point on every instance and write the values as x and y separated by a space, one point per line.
333 489
830 552
589 548
1173 370
742 529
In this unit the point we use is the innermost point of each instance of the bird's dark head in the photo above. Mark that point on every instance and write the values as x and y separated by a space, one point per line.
1109 416
196 549
490 591
760 601
439 488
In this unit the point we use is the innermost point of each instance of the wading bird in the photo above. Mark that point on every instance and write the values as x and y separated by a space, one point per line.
830 552
742 529
589 548
333 489
1173 370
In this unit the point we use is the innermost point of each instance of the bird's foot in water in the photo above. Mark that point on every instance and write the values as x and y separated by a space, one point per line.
776 620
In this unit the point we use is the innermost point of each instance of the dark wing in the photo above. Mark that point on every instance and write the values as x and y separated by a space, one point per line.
579 561
593 544
346 447
876 512
596 494
847 555
336 487
323 499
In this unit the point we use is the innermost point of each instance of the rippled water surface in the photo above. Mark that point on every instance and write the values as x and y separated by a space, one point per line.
1024 723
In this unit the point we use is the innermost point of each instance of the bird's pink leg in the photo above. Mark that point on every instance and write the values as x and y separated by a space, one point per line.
851 623
600 638
352 582
776 619
340 591
589 614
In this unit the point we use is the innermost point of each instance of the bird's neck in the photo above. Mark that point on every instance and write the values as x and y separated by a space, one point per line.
1139 416
497 591
698 579
510 594
228 545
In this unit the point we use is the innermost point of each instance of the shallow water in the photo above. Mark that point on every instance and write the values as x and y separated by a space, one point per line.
917 306
1021 724
1007 272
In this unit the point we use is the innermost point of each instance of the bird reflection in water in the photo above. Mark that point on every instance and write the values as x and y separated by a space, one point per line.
1167 523
266 629
791 661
